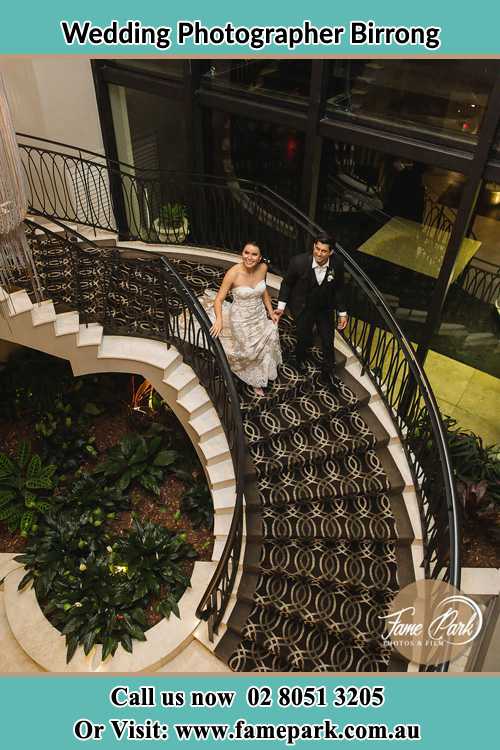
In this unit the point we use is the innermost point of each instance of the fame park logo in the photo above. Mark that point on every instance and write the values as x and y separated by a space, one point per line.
431 622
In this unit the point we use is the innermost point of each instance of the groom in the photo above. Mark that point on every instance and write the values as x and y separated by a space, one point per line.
313 289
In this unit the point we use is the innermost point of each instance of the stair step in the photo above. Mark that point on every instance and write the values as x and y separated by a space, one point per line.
335 477
66 323
353 519
311 616
137 349
42 313
323 403
19 302
196 402
277 653
182 378
332 436
221 474
366 564
90 334
224 498
207 425
216 449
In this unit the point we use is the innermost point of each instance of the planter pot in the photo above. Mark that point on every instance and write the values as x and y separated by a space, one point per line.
170 234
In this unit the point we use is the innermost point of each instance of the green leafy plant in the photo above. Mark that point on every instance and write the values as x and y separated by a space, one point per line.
172 214
151 556
93 501
24 489
197 504
475 464
140 458
97 592
65 436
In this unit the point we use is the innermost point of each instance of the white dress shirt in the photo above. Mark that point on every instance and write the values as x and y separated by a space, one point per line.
320 273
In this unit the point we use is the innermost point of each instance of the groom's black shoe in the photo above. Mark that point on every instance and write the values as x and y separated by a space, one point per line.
301 366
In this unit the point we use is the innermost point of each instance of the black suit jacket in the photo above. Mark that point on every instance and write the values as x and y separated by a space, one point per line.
299 288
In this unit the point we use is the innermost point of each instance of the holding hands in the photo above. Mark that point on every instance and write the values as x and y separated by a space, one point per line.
341 322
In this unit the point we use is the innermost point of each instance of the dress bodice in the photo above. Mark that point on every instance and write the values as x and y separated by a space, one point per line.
249 292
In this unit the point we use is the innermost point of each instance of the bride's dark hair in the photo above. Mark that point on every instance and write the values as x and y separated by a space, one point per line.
256 244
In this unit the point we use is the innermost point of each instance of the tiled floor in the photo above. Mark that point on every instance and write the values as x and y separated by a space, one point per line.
468 395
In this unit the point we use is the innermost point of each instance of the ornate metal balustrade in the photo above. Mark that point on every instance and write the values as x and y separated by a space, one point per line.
224 215
141 294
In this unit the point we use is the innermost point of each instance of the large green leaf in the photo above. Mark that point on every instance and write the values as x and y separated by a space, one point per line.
6 466
35 467
165 458
23 454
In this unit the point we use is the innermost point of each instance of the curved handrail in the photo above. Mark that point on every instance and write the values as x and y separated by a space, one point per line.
189 331
223 215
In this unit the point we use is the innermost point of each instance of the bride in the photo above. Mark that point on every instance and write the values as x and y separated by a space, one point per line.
247 332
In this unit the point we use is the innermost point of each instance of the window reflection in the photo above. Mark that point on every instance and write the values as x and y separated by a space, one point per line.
288 78
443 95
259 151
166 68
396 217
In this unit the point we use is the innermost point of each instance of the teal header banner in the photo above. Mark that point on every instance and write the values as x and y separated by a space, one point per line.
244 30
279 711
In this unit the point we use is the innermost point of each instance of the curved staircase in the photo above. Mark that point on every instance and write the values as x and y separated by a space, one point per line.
348 490
323 544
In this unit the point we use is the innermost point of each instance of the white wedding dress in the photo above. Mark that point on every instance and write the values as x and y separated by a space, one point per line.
250 339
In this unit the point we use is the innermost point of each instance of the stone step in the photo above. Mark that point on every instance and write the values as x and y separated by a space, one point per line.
215 449
43 313
207 425
66 323
182 378
18 303
147 351
90 335
196 402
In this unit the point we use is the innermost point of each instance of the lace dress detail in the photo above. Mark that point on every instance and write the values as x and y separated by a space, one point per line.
250 339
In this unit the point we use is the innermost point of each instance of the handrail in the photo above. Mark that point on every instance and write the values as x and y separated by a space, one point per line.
224 214
189 331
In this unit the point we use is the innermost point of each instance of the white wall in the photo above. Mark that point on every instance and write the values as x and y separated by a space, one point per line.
53 97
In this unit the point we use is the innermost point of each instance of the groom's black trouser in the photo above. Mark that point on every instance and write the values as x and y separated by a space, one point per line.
304 324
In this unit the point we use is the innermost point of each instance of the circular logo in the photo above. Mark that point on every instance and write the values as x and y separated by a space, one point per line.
431 622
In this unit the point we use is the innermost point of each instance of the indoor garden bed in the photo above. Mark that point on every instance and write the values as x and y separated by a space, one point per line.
103 498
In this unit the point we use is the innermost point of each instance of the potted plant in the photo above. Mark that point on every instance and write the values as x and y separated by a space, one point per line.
172 224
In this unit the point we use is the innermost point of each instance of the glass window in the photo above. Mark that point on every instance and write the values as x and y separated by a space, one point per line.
150 136
286 79
443 95
470 328
149 129
169 68
263 152
396 217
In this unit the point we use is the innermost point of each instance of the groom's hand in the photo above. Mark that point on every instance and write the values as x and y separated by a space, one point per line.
277 315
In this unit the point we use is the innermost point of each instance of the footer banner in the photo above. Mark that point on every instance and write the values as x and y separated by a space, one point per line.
431 711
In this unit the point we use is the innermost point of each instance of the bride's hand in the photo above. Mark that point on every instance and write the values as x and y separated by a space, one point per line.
276 316
216 329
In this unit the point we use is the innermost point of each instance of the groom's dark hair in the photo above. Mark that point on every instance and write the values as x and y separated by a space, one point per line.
325 239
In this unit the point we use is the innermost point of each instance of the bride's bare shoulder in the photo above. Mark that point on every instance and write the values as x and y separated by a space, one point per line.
232 272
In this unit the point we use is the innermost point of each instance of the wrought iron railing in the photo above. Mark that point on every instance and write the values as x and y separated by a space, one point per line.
131 293
481 280
224 215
